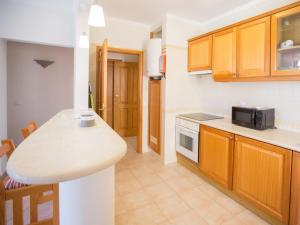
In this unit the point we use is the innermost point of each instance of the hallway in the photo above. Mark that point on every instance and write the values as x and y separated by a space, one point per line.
149 193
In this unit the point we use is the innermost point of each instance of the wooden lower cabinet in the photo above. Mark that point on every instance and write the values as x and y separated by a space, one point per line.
262 175
216 155
295 191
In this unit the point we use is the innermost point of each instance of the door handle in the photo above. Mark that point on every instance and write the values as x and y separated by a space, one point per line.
116 95
102 108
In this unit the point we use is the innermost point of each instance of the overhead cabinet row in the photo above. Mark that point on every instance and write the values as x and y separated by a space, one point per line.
267 48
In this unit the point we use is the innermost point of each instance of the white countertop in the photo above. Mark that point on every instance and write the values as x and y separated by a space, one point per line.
280 137
61 150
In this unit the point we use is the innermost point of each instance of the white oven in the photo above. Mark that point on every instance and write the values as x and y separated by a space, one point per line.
187 139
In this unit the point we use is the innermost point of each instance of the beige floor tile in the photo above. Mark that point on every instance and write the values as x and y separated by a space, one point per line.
246 218
122 219
229 204
179 184
172 206
149 179
158 191
127 187
119 205
147 215
182 170
211 191
135 200
165 223
156 194
168 173
124 175
157 166
214 214
195 198
194 179
190 218
142 170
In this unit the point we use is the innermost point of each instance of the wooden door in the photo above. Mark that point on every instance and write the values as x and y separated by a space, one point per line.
285 61
224 54
126 98
154 114
199 54
295 191
262 176
216 155
102 82
110 92
253 48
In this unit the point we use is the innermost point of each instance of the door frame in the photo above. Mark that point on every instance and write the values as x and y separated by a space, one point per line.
140 55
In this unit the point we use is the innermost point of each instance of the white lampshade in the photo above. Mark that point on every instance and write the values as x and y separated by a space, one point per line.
84 41
96 17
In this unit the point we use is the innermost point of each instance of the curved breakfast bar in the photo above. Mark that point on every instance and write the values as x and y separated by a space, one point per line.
80 159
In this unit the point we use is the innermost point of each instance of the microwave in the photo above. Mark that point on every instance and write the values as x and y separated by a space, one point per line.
255 118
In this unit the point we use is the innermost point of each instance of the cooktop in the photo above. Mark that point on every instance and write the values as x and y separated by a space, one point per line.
200 116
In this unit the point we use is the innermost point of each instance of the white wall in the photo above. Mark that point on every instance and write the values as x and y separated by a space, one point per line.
37 24
35 93
81 63
127 35
121 34
3 89
3 98
186 93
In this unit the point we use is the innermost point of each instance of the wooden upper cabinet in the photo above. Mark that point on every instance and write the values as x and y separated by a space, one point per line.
224 54
295 193
199 54
253 48
285 43
216 155
262 176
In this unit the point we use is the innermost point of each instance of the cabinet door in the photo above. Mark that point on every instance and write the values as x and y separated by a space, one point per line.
295 194
262 176
199 54
253 48
216 155
154 114
285 43
224 54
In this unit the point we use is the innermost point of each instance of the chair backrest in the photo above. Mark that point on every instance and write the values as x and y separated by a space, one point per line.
7 148
26 131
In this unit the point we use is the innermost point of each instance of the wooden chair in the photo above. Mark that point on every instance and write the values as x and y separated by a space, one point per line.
38 194
26 131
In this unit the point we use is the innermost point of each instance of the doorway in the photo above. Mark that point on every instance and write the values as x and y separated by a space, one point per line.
122 88
119 83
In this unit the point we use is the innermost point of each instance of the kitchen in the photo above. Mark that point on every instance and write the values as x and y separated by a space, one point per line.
263 82
216 136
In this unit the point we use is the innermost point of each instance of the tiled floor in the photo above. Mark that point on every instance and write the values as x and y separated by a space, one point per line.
149 193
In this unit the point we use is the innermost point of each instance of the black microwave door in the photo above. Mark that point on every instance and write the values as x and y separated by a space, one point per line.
244 117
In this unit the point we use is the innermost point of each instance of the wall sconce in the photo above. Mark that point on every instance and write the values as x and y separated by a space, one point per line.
84 41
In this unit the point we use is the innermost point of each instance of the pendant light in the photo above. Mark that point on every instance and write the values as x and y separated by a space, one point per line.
84 41
96 17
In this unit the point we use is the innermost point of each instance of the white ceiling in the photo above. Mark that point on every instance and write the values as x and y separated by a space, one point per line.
148 11
151 11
